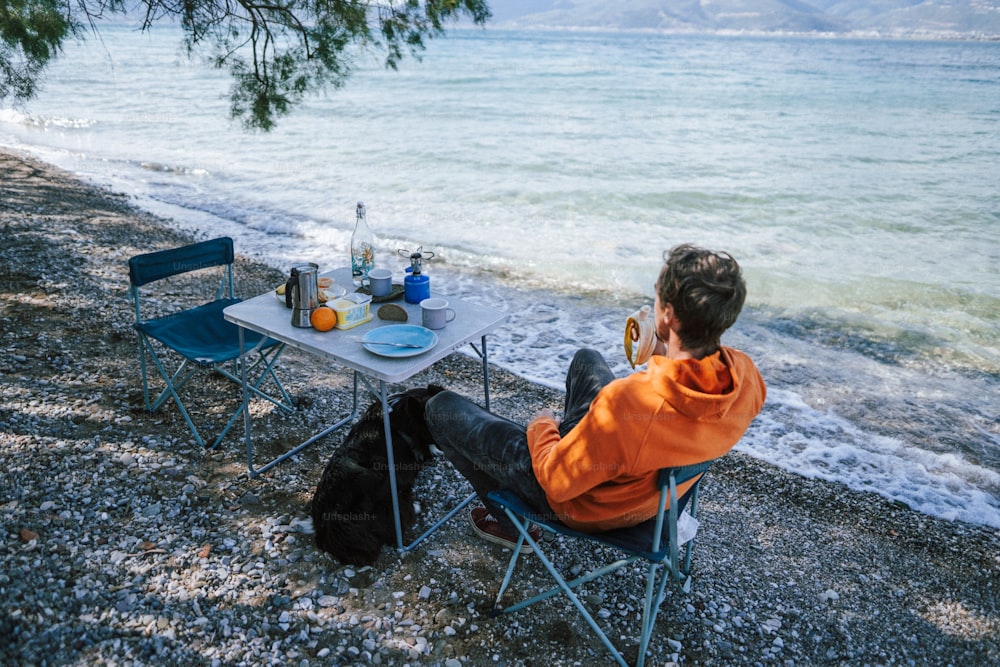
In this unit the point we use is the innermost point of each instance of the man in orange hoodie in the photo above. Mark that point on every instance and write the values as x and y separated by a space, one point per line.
596 468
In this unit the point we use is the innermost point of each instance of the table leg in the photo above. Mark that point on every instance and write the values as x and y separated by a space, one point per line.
440 522
486 374
392 468
484 356
247 436
391 458
298 448
390 455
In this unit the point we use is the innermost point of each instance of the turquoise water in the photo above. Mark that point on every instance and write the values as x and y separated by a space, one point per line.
855 180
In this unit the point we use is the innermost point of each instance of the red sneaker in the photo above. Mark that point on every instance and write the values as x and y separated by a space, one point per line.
488 528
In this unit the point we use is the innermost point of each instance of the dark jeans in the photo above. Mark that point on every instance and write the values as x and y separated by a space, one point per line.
492 452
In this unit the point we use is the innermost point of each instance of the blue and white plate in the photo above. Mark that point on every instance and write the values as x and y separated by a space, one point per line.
399 340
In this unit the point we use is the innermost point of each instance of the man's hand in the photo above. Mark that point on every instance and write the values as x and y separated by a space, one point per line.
546 413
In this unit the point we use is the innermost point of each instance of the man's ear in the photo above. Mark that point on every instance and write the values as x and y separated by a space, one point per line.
670 319
667 317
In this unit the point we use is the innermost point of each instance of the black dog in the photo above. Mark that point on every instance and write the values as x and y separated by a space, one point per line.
352 506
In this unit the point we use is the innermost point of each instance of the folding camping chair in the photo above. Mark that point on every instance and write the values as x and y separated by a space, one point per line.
200 336
655 541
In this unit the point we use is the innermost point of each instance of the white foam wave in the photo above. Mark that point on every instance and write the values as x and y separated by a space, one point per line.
69 123
42 121
821 445
11 116
174 169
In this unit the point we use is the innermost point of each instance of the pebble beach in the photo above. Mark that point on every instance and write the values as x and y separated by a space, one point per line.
123 542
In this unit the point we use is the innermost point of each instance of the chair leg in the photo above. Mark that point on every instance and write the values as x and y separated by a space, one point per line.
179 378
658 576
689 547
186 371
509 575
235 375
232 422
274 376
268 371
522 529
285 401
655 587
171 383
267 360
575 583
142 367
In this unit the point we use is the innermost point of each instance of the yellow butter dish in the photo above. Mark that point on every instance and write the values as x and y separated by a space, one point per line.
352 310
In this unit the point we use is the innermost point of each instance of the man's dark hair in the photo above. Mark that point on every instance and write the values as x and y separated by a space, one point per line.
706 290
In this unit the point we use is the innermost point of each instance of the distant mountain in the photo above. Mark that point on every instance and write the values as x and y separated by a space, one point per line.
979 19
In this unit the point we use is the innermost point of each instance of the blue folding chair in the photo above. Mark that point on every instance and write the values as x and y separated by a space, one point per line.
655 541
200 336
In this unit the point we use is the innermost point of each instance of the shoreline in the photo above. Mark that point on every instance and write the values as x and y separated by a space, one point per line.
123 539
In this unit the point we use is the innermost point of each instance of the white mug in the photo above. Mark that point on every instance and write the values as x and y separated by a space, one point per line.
435 313
380 282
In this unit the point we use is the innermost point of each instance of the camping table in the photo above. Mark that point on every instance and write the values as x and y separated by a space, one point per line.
266 315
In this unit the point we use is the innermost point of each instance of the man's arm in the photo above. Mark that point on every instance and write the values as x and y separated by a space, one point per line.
588 456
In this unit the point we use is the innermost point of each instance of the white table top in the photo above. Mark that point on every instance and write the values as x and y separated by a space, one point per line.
266 315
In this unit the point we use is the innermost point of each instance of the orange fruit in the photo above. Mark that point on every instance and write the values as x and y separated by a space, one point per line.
323 318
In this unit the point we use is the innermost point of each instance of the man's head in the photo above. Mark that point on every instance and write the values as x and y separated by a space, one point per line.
706 291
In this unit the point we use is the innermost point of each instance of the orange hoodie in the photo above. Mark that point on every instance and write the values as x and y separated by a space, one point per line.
602 475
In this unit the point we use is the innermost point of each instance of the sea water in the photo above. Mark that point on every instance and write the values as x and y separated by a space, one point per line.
855 180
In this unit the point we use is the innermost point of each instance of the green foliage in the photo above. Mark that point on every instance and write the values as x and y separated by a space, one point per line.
277 51
30 35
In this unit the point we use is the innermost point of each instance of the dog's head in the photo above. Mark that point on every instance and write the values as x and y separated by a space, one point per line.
407 421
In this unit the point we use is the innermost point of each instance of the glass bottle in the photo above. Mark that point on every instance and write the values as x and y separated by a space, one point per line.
362 248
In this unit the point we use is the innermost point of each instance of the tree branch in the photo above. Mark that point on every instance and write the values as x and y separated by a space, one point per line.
276 50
